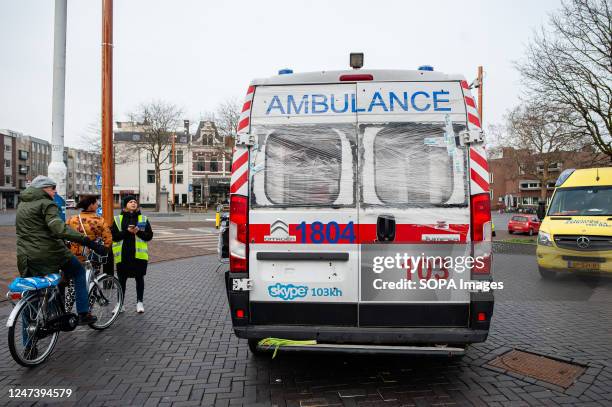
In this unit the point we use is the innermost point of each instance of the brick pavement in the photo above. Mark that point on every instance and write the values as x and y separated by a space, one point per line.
182 352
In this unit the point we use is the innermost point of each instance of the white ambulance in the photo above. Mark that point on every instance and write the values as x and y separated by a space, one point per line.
343 184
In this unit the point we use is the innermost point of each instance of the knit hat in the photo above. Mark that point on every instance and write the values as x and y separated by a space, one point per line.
42 181
127 199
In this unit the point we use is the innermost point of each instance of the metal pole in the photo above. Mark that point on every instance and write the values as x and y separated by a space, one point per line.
57 168
480 94
173 169
107 110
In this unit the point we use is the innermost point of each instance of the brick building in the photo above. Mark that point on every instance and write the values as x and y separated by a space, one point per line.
8 170
211 164
512 186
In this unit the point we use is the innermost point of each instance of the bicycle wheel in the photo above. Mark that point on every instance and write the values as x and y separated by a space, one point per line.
105 301
29 342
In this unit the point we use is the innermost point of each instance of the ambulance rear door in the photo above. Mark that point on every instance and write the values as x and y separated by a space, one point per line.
303 226
413 204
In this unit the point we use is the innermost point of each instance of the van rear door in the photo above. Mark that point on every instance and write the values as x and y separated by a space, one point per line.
413 204
303 225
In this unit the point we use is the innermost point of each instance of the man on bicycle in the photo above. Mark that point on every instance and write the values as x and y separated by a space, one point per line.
40 246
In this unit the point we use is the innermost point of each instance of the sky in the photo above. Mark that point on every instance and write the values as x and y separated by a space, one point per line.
197 54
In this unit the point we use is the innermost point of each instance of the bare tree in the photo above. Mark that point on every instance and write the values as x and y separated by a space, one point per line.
570 65
158 121
91 139
228 113
226 118
541 138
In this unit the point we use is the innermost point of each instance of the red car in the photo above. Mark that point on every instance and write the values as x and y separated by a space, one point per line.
524 223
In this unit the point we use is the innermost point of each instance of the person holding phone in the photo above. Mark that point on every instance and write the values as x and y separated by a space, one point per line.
131 231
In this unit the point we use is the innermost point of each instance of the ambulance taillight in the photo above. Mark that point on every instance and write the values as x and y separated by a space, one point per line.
238 236
481 217
481 233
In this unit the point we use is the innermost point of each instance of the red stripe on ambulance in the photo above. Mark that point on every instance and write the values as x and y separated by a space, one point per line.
480 160
364 234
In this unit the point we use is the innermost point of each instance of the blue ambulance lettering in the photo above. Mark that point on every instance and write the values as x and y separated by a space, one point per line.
297 109
379 102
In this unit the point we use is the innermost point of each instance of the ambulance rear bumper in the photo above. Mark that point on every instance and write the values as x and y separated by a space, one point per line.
365 335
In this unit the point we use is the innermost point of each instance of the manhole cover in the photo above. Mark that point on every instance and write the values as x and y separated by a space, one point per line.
539 367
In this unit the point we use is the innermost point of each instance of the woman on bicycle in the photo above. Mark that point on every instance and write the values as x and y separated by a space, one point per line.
91 225
131 232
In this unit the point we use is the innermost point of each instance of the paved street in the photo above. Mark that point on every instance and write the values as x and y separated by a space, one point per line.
182 352
196 237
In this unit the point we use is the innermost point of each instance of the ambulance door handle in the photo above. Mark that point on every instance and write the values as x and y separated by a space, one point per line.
385 228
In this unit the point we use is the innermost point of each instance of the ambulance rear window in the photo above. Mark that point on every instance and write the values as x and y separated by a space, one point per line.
416 165
303 168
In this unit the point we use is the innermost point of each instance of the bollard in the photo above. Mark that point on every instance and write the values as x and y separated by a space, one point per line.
217 219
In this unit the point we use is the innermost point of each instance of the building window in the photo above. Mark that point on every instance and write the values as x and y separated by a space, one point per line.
23 169
151 176
7 163
179 156
214 166
199 166
7 147
530 185
7 179
150 159
23 155
490 178
179 177
530 200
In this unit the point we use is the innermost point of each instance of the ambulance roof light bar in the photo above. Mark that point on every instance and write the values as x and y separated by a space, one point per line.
356 60
426 68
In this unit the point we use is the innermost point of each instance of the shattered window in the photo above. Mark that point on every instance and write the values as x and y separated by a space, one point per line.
303 167
419 165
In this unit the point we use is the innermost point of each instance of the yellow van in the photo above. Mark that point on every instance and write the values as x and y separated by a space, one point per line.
576 234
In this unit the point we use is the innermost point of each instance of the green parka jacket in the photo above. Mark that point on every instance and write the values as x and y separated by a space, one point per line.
40 230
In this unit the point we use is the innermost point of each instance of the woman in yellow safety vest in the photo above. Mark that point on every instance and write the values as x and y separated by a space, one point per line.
131 231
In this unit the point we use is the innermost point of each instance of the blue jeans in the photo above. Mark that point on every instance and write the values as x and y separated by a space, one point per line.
75 270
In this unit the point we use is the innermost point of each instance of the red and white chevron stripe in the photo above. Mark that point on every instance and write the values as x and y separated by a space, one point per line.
240 160
479 167
245 116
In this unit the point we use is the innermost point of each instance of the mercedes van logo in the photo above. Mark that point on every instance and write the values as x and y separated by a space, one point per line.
583 242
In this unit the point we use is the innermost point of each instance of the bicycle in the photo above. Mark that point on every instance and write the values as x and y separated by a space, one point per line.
40 313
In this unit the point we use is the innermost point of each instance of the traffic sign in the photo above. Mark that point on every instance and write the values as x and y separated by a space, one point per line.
99 181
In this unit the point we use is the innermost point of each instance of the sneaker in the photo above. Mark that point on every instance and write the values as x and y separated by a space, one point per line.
139 307
87 318
122 309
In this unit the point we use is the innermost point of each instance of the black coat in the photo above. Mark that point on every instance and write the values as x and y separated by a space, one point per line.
130 265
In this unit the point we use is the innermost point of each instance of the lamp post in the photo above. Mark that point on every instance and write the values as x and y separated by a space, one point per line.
57 168
173 169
